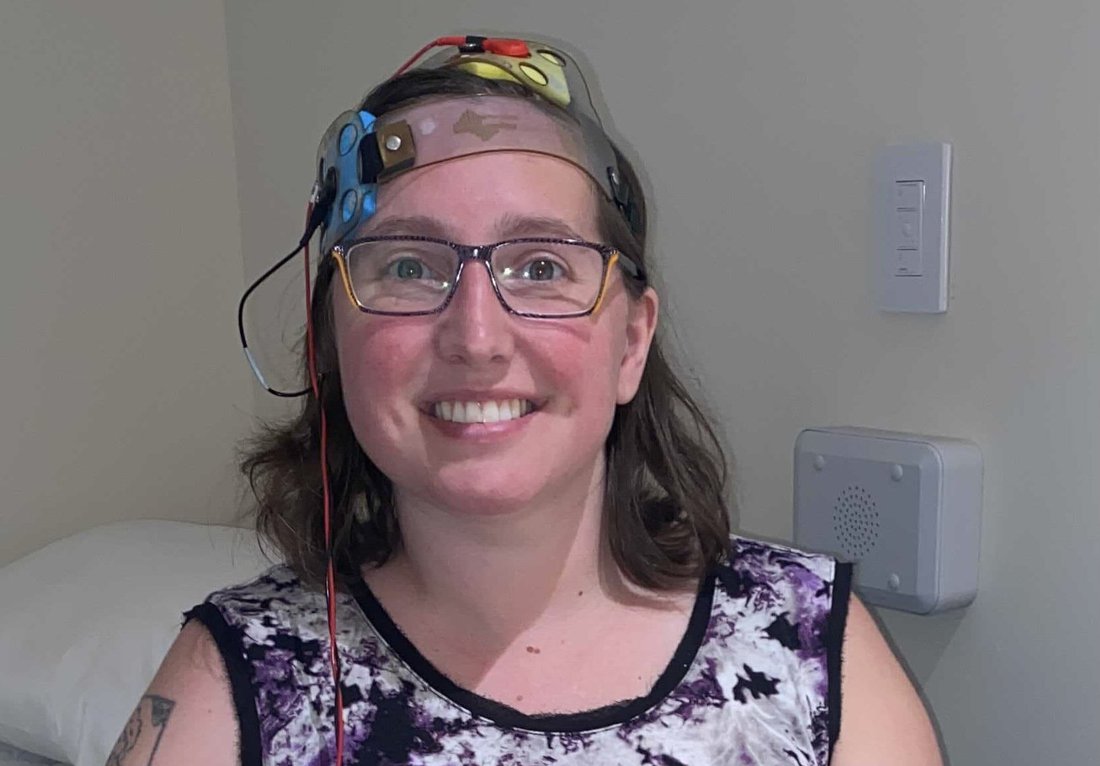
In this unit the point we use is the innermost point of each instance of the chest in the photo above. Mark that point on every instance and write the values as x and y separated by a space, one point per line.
595 660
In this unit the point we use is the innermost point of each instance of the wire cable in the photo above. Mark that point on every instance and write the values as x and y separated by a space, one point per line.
330 569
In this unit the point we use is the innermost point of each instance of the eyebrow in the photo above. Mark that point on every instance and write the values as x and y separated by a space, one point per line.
413 225
508 226
512 225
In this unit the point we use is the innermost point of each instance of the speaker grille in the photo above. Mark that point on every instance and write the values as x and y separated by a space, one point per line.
855 521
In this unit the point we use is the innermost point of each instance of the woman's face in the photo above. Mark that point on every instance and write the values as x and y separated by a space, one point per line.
396 370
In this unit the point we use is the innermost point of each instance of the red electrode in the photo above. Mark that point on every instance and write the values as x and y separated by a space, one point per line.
514 48
498 45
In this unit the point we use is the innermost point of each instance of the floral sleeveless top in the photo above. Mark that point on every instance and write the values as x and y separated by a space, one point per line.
754 680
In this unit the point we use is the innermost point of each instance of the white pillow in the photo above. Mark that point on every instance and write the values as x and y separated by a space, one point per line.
86 621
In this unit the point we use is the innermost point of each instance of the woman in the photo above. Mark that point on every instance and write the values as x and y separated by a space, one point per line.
528 527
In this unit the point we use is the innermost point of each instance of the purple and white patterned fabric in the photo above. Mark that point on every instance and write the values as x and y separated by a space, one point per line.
755 680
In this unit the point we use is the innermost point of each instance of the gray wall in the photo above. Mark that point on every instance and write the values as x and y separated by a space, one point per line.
756 123
124 389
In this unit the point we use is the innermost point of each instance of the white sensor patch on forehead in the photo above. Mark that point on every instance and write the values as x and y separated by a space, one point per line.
427 126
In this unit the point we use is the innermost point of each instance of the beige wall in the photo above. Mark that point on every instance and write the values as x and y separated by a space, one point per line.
757 122
123 387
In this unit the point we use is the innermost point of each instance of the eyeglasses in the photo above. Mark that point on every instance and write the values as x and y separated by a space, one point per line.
535 277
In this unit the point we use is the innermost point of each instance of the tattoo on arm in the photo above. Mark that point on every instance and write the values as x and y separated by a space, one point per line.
142 733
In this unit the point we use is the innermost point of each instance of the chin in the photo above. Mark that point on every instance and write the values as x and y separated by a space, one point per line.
482 503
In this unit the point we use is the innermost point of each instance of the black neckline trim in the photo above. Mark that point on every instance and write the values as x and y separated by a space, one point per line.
509 717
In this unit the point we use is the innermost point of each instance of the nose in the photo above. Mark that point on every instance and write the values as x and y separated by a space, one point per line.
475 329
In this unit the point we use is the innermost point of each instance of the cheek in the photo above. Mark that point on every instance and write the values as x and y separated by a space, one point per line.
379 366
586 369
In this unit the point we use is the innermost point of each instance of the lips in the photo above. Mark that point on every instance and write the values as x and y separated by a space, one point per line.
485 411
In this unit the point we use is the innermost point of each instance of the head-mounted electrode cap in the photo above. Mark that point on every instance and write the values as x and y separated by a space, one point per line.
359 152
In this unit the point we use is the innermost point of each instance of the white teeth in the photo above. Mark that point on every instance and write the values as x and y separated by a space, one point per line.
482 412
490 413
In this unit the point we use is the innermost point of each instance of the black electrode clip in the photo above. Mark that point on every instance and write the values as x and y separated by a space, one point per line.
473 44
620 192
321 198
371 164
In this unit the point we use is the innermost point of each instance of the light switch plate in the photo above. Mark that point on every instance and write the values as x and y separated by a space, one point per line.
908 280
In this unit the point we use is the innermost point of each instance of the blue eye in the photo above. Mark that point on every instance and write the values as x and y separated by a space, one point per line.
541 270
407 268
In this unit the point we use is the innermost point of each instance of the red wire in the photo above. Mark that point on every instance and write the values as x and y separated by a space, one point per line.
330 573
438 42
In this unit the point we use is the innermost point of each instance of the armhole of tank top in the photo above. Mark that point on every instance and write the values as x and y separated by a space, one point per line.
231 649
834 645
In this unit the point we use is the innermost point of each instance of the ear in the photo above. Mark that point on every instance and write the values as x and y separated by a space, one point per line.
640 326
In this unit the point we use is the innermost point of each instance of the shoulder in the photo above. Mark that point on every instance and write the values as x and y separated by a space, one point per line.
267 641
874 712
276 626
883 718
187 713
278 584
274 600
754 552
783 574
791 605
273 620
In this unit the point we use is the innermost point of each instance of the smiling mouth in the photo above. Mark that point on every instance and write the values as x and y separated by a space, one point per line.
482 412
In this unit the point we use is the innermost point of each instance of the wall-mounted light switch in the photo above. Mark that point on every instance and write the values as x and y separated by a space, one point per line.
912 195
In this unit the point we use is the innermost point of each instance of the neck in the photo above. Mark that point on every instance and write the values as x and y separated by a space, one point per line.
507 571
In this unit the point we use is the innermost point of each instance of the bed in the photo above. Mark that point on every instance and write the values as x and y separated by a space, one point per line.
85 621
13 756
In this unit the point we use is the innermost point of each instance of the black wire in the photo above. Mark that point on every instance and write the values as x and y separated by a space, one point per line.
252 288
240 324
317 215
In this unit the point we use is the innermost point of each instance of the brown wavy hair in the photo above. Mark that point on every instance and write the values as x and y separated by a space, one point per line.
666 519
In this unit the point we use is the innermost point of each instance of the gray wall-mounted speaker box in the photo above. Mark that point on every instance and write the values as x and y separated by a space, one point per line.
904 508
